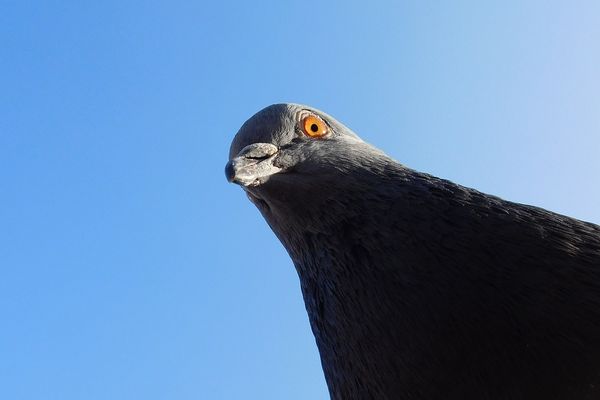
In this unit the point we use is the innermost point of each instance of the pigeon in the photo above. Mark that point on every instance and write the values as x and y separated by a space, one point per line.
417 287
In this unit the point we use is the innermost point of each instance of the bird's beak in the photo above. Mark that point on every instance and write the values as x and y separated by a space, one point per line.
253 165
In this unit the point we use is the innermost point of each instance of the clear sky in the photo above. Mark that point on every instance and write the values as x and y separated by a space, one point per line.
130 269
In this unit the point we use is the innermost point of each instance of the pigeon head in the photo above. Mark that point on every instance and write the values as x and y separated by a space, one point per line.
294 155
277 139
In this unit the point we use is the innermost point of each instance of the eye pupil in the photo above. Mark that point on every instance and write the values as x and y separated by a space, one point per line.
314 128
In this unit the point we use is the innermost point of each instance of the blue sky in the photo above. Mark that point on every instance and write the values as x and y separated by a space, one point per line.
130 269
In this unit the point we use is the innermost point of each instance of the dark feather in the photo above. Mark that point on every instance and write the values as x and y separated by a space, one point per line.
419 288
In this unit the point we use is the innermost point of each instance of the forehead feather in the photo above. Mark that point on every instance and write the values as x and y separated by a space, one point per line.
276 124
269 125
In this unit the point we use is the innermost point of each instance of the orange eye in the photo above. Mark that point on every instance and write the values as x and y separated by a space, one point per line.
313 126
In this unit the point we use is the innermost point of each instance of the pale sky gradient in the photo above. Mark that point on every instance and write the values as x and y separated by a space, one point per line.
130 269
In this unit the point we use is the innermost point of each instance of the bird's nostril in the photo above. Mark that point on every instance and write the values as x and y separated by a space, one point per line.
258 151
258 156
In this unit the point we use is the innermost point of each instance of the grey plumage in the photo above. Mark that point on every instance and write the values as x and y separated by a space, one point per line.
419 288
